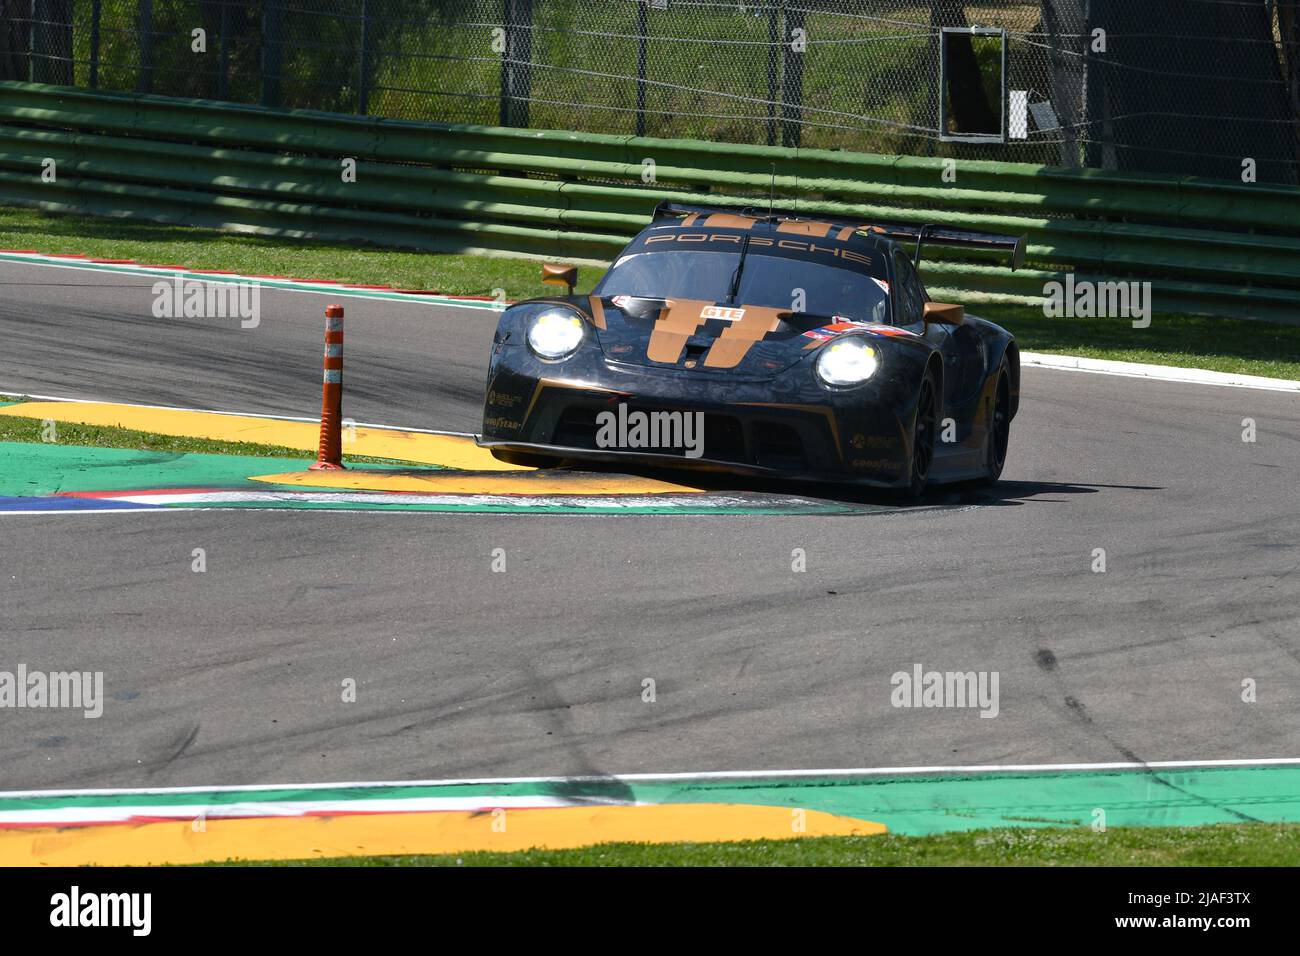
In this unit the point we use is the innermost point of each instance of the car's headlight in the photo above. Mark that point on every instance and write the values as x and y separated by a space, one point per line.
555 335
848 361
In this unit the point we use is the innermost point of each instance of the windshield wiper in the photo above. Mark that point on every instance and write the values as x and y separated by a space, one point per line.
740 269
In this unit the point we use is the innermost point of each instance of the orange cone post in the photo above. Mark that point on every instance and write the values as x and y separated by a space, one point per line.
330 457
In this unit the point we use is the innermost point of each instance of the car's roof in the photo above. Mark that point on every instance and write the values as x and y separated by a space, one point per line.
821 229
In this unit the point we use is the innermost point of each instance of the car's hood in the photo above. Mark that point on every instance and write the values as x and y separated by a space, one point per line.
743 340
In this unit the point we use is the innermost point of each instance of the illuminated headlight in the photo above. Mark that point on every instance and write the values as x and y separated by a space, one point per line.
555 335
848 361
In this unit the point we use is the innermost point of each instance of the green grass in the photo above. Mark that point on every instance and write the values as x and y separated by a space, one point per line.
1254 844
1193 341
153 243
1218 344
16 429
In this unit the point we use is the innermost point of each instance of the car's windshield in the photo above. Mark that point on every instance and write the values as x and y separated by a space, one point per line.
774 281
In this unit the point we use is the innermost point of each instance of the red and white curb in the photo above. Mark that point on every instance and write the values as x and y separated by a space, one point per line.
145 812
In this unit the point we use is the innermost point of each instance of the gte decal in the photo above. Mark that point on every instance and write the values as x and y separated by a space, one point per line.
719 312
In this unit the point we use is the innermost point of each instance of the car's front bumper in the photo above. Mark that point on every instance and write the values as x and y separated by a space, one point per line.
787 425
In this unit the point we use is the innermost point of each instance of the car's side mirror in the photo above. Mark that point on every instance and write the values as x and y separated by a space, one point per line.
560 275
943 313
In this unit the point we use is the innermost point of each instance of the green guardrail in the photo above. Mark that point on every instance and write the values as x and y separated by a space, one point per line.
1206 246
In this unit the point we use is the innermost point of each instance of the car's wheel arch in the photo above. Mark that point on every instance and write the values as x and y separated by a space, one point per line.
935 363
934 366
1012 355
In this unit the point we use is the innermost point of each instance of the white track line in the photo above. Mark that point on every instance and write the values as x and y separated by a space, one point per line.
703 775
1164 373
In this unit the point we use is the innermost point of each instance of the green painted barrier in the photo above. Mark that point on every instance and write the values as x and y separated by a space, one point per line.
1207 246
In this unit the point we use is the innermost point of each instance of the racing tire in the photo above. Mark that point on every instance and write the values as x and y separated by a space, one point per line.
999 428
924 429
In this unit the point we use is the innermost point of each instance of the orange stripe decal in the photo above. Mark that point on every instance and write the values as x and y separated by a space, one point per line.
726 220
677 322
818 229
738 338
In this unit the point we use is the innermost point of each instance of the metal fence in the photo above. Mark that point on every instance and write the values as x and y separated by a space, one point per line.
1208 87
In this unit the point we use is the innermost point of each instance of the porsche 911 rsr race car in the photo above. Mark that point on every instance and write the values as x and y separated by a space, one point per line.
760 343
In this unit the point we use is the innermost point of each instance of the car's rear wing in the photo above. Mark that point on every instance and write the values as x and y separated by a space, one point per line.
944 236
897 231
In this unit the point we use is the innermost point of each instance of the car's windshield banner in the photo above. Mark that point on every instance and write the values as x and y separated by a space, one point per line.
827 251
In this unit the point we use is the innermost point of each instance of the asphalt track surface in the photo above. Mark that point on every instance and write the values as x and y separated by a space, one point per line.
234 676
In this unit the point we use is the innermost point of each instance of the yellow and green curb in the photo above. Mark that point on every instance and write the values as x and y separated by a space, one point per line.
399 834
446 472
192 825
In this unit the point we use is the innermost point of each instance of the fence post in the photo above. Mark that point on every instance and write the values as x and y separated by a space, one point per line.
1094 93
516 62
330 456
363 66
34 43
144 31
641 28
95 11
773 70
271 25
792 108
223 59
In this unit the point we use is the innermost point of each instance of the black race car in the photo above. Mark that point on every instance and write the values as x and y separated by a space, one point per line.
765 343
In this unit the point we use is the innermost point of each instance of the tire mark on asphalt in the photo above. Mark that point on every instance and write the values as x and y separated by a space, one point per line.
1079 711
597 791
180 744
